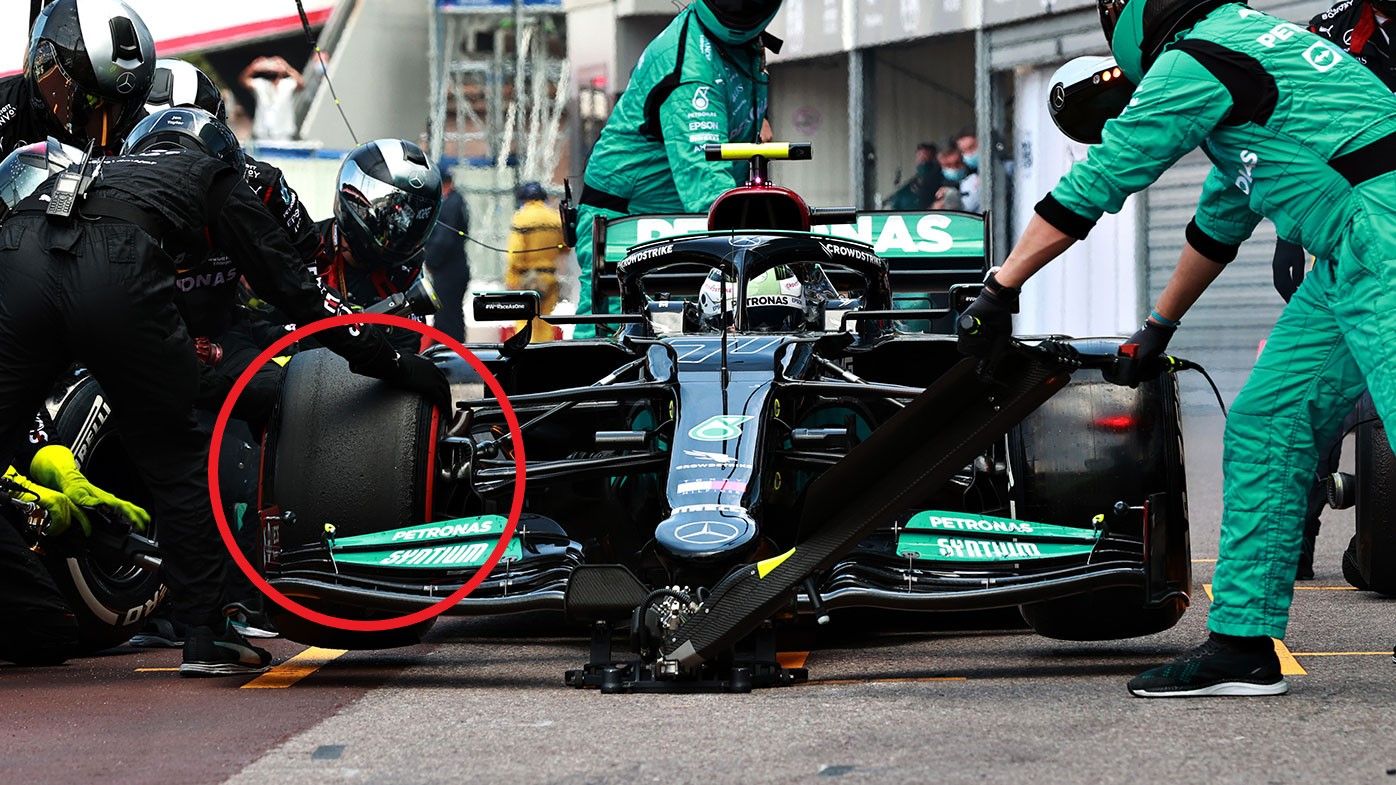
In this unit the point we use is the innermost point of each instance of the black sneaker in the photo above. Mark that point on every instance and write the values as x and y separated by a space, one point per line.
223 653
1216 668
160 633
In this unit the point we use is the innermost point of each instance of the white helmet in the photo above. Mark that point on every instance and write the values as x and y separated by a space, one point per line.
775 302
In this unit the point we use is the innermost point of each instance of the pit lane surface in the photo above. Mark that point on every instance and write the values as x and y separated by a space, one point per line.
484 702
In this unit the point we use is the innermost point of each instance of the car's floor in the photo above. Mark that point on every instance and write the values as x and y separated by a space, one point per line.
484 702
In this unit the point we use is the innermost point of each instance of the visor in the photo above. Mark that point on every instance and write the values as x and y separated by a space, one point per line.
82 114
396 222
1109 16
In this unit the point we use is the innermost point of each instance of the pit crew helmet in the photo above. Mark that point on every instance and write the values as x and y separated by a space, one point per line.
387 201
188 128
736 21
1085 93
775 302
178 83
28 167
1138 30
91 63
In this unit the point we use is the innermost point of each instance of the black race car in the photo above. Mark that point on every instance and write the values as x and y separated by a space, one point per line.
760 354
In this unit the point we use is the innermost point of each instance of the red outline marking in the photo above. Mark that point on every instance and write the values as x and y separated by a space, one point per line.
216 494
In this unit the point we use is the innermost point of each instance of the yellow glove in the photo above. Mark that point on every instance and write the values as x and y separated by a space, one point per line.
61 510
55 466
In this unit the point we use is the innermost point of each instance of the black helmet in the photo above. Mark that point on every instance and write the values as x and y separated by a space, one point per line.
531 192
388 198
28 167
189 128
90 64
178 83
1085 93
737 21
1138 30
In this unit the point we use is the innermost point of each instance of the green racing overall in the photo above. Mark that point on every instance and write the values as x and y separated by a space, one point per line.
1301 133
695 84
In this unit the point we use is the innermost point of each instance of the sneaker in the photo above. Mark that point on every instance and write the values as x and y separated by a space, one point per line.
251 623
160 633
223 653
1216 668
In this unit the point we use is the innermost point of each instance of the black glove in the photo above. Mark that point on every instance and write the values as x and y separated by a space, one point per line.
1142 356
987 324
420 375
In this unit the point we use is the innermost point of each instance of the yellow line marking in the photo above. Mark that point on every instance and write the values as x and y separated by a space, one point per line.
1204 561
1341 653
156 670
792 659
1288 665
294 669
1325 588
892 680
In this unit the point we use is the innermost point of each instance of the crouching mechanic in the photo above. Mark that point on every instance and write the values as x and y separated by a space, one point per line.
40 628
1304 135
98 287
702 81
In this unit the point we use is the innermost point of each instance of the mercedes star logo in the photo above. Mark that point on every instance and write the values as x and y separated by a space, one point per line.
125 83
746 241
707 533
417 182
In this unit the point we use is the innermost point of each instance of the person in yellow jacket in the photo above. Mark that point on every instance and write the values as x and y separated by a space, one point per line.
535 248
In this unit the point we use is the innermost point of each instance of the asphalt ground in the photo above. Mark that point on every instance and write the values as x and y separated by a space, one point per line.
890 700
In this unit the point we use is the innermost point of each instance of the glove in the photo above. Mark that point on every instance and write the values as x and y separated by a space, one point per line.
1142 356
420 375
56 467
987 324
60 509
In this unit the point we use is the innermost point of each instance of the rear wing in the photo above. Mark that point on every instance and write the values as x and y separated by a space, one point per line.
927 252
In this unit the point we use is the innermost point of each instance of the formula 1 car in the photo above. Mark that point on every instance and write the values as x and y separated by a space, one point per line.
761 353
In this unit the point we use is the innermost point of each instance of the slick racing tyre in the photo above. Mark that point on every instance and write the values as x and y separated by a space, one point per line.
1125 444
111 599
355 452
1372 554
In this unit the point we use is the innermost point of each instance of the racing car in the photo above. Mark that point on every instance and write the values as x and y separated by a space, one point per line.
754 351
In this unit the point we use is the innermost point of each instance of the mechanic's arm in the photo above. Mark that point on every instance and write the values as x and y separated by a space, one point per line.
247 232
1174 109
695 115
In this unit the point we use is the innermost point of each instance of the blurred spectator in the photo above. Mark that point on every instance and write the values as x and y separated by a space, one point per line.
274 85
968 145
919 192
535 250
447 264
947 198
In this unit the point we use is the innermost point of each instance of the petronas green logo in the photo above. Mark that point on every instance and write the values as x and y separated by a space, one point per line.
719 428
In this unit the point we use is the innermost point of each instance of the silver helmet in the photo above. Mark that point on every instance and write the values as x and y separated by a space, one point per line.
387 201
28 167
90 64
178 83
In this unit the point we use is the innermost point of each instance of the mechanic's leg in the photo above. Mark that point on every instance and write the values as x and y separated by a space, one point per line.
451 286
136 345
40 628
1302 387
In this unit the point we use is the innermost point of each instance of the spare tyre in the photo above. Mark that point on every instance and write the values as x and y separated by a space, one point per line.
1089 446
355 452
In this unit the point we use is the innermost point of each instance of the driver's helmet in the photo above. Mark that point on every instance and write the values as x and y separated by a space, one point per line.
775 302
90 64
28 167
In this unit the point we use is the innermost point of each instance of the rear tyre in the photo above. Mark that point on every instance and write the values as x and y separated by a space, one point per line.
110 599
354 452
1373 549
1126 444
